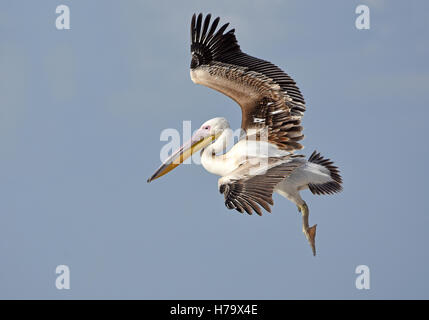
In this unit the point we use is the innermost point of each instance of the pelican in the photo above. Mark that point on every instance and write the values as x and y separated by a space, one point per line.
263 160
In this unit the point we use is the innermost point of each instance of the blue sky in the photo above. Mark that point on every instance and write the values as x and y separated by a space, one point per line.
81 112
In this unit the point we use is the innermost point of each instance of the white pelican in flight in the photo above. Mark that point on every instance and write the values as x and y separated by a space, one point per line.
262 161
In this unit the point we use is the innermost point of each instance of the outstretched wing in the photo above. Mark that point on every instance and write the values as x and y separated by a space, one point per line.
252 184
268 97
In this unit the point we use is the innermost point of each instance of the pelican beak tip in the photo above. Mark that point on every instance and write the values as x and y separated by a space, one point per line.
197 142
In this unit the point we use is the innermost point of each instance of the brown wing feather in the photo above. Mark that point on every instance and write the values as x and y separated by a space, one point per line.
269 99
246 192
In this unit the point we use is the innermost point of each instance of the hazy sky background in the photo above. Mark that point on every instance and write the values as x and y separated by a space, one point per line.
81 112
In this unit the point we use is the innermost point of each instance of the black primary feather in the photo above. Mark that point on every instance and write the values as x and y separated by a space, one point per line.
250 192
329 187
207 46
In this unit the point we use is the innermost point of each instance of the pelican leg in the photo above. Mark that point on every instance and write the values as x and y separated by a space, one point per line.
310 232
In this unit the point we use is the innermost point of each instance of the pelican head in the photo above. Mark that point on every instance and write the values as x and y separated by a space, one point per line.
205 135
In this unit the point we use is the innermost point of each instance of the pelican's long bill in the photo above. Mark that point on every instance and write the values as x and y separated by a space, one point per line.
199 140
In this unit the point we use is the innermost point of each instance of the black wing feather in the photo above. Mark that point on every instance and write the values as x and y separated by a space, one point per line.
224 47
330 187
250 192
268 97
